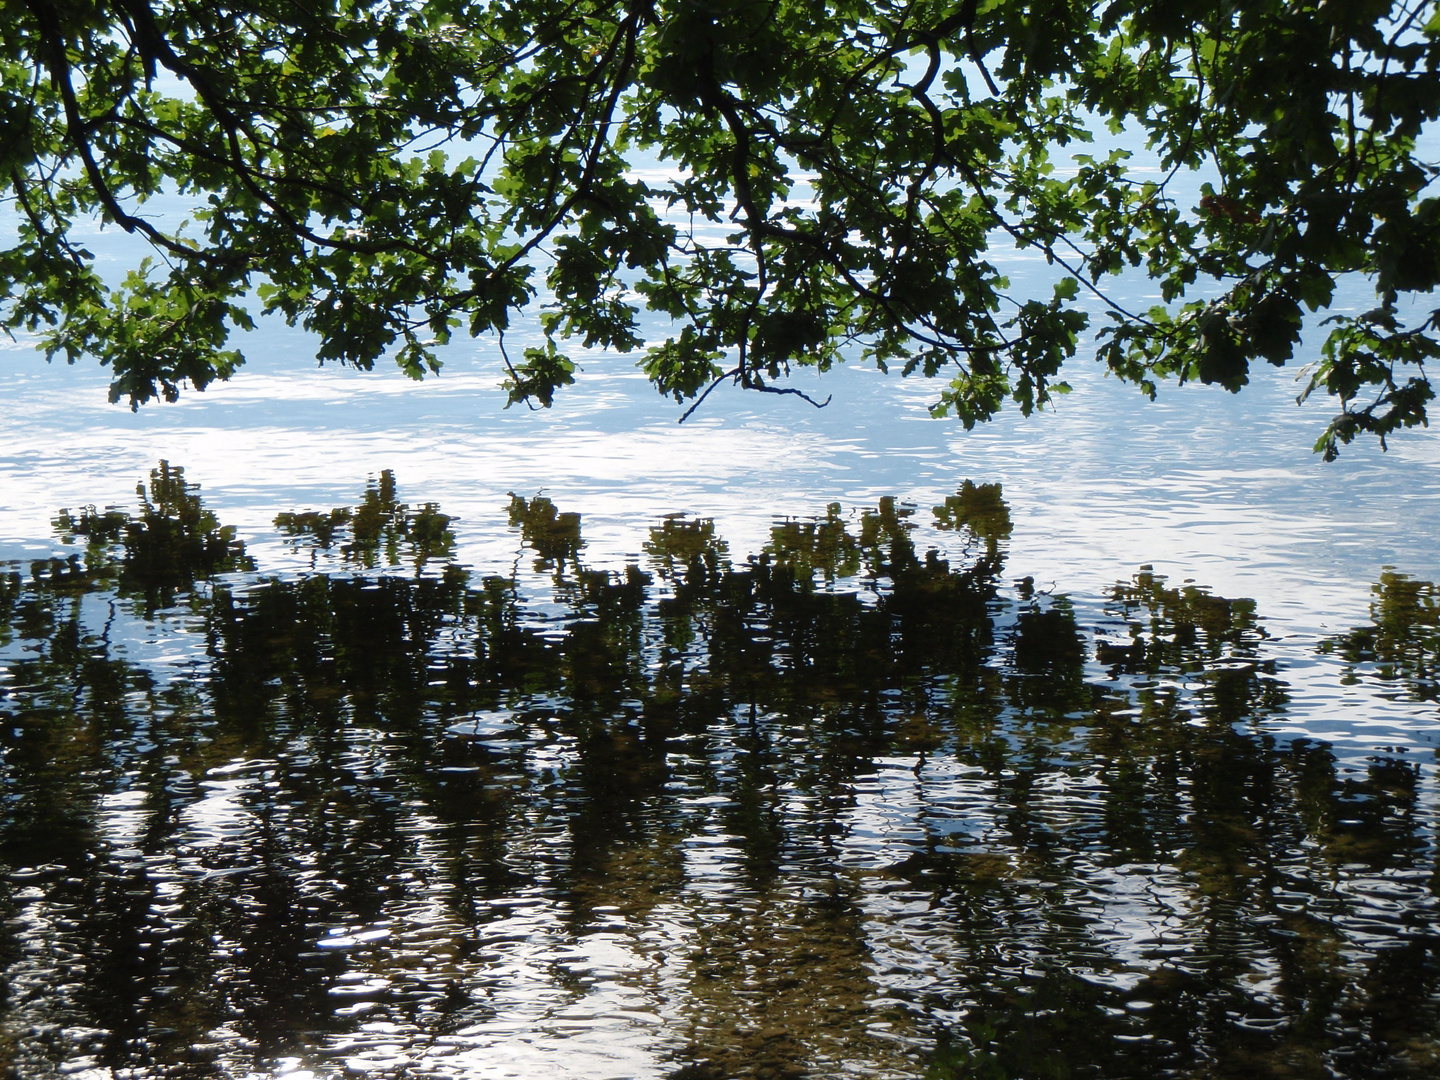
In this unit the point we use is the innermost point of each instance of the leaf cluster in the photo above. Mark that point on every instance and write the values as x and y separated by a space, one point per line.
836 176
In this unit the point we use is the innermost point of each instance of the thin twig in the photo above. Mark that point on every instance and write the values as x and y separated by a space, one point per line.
735 374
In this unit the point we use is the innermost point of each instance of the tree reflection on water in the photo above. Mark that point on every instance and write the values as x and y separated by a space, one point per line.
848 806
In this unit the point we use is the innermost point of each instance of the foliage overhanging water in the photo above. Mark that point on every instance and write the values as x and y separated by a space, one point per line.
563 783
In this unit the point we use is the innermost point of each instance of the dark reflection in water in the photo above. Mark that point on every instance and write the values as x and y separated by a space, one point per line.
1400 649
804 814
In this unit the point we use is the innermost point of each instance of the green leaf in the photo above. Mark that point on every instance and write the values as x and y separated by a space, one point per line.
377 173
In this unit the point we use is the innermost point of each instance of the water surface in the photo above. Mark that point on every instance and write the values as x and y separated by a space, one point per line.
784 742
861 802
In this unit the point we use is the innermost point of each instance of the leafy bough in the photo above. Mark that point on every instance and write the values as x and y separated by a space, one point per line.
387 174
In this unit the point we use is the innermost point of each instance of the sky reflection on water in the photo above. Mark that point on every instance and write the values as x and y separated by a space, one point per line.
705 817
1199 483
816 879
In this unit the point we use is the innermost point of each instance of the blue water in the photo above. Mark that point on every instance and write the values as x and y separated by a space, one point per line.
1204 486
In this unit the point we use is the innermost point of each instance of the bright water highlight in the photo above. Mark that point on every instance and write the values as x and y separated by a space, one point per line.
471 797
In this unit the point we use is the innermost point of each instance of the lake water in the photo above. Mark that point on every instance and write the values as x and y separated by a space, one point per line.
1135 776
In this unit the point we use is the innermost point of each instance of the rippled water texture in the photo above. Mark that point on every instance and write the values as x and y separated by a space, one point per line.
446 741
860 802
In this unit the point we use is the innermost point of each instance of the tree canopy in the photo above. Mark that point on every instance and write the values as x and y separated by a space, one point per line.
838 180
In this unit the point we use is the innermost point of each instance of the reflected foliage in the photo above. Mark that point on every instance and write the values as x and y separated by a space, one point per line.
811 810
681 546
553 537
1401 646
379 532
171 543
980 510
1189 633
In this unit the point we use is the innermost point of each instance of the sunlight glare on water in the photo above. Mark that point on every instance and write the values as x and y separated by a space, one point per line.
543 822
1202 485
